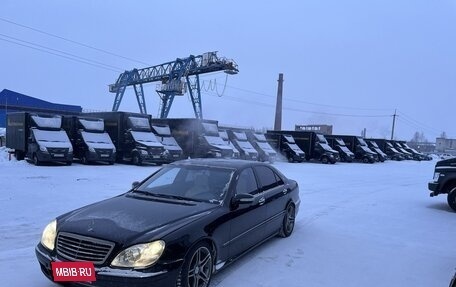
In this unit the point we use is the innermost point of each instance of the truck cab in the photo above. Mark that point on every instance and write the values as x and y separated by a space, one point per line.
90 141
264 149
374 147
346 155
400 148
286 145
444 181
38 137
224 135
163 133
239 140
324 151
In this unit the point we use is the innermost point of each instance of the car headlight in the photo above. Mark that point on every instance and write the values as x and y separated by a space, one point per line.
49 235
43 149
114 150
70 149
436 176
139 255
144 152
91 149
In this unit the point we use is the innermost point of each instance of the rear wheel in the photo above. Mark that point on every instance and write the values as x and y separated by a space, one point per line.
197 268
452 198
288 221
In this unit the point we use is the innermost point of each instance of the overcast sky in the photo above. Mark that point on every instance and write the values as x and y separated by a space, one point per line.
347 63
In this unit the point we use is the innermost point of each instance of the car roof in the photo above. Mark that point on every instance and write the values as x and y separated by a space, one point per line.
218 162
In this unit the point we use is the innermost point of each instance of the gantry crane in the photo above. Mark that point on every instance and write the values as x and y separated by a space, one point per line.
174 77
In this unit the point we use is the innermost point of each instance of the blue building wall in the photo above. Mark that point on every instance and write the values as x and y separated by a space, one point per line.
11 101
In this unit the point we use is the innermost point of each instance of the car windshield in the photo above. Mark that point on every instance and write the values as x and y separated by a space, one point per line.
194 183
213 140
264 145
374 144
245 145
96 137
289 139
50 136
295 147
345 149
144 136
169 141
366 149
327 147
362 142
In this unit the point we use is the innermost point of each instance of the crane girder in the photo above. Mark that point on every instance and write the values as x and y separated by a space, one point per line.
171 75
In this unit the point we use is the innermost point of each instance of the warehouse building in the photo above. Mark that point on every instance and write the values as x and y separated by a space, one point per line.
11 102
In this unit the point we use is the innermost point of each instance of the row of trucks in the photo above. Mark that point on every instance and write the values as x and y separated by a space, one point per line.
126 137
136 138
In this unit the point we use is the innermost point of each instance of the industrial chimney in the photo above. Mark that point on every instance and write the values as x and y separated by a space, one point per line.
278 113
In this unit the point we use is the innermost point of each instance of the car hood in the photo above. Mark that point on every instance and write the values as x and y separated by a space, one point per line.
125 218
446 162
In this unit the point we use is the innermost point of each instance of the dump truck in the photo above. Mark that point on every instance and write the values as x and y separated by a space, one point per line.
38 137
314 145
91 143
133 138
286 145
198 138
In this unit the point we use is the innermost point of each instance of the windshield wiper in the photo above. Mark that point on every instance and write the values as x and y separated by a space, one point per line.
178 197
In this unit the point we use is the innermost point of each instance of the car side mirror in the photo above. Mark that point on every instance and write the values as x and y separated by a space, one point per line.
242 199
135 184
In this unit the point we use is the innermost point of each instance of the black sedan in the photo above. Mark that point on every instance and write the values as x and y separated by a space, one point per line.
178 226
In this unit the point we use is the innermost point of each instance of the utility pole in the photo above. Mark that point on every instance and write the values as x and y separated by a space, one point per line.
278 114
394 122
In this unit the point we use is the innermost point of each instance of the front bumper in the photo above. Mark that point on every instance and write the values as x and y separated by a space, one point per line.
112 277
55 157
434 188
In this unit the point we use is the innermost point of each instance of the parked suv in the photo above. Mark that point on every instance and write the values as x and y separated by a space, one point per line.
444 181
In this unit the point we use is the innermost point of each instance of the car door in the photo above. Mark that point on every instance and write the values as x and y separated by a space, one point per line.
275 192
246 228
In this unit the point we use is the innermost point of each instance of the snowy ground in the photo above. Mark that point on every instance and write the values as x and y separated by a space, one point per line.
359 225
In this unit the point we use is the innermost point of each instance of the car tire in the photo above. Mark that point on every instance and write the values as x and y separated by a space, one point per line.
136 160
325 160
288 221
36 161
197 267
290 159
452 198
69 163
365 160
84 160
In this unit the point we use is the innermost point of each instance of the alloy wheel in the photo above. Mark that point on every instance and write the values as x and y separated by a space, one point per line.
200 268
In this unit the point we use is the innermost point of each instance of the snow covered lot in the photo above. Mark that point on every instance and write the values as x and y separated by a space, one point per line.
359 225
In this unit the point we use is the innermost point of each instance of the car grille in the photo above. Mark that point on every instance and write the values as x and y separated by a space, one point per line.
81 248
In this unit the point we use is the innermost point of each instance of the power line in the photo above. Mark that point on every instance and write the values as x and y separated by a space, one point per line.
296 109
304 102
62 52
73 41
419 123
59 55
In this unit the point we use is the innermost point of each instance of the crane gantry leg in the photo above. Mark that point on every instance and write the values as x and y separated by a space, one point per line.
119 95
139 91
167 101
196 99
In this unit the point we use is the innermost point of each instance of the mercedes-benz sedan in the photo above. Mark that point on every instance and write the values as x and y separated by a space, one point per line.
178 226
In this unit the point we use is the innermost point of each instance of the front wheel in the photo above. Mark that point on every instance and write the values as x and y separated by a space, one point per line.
36 161
324 160
452 198
197 268
136 160
288 221
365 160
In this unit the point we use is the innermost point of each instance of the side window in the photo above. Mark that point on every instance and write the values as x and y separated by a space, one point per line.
246 182
268 179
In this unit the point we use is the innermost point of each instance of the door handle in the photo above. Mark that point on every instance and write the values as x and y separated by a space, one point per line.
262 201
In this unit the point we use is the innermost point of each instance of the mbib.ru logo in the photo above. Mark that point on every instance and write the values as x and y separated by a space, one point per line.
73 271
